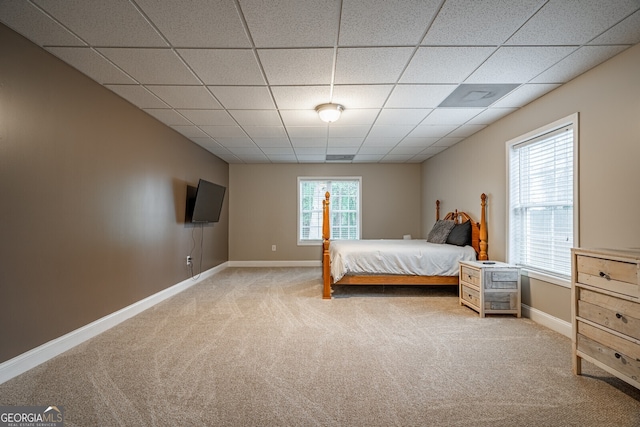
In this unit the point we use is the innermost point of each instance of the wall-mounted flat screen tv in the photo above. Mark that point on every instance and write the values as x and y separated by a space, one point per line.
204 203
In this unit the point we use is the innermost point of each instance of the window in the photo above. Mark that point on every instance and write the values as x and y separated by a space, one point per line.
344 209
542 194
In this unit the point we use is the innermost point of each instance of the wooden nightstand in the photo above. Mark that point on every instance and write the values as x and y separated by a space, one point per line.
490 287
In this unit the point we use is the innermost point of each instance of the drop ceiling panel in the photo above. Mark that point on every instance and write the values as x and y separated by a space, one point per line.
235 142
402 116
334 143
243 97
307 132
451 116
524 95
336 131
186 96
272 143
445 64
582 59
418 96
190 131
138 96
489 116
297 66
385 23
301 97
357 116
309 142
626 32
36 25
199 23
390 131
265 131
208 117
371 65
168 117
467 130
257 117
300 117
224 66
91 63
361 96
518 64
475 23
151 66
292 23
431 131
572 22
104 23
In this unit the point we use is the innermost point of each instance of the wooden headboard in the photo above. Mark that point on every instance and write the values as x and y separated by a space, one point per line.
478 229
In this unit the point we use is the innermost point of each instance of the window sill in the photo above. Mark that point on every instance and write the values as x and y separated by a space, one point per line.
555 280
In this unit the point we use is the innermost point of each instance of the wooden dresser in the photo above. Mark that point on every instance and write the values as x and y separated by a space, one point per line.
490 287
605 305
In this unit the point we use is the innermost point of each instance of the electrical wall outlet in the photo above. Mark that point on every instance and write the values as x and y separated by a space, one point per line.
188 260
273 248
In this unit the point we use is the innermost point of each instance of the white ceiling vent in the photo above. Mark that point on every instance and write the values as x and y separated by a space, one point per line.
476 95
340 157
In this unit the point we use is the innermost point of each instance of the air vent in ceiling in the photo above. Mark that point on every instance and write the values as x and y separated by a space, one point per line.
476 95
339 157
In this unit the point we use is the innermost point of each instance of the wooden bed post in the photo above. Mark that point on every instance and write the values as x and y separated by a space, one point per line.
326 261
483 229
437 210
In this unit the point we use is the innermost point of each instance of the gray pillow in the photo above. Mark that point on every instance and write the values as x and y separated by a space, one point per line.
440 231
460 235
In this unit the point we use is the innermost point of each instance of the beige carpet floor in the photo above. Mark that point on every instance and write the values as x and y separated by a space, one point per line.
259 347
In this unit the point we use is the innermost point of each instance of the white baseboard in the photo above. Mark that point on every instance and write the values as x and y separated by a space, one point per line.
560 326
34 357
317 263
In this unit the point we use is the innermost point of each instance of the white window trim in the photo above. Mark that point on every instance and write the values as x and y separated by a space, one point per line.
571 120
325 178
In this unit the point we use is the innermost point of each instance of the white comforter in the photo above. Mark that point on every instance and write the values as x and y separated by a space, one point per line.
412 257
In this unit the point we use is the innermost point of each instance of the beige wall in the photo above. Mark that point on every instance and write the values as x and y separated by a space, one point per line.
608 101
92 195
263 208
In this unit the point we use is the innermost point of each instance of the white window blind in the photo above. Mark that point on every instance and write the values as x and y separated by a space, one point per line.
541 202
344 209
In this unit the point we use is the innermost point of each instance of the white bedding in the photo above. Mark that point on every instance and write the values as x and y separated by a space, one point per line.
411 257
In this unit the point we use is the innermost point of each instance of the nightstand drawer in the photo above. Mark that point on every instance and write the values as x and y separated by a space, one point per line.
500 301
501 279
470 295
615 276
614 313
470 275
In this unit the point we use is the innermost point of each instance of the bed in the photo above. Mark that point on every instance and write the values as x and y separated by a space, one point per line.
402 261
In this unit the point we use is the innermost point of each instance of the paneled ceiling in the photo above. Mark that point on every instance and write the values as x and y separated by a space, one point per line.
242 78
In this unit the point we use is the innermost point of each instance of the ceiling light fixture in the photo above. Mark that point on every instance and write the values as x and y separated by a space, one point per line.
329 112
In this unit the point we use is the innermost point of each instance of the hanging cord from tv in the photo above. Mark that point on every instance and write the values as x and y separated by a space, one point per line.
193 246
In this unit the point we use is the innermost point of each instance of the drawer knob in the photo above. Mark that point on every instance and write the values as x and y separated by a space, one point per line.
618 356
605 275
619 316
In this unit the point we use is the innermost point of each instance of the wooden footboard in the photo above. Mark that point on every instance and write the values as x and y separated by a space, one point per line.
478 237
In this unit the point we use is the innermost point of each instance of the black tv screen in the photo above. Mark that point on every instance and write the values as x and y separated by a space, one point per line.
206 204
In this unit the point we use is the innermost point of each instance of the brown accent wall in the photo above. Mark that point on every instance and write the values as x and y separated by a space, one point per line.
607 99
264 206
92 195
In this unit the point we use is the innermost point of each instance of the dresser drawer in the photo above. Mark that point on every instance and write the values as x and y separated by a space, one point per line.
612 275
501 279
614 313
470 275
500 301
470 295
620 362
615 352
